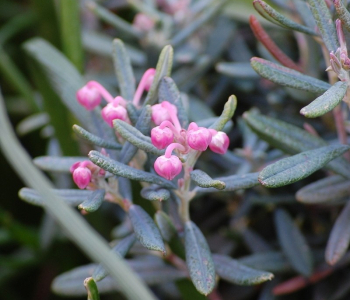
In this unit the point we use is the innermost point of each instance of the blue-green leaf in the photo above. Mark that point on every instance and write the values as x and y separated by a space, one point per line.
154 193
241 70
326 102
297 167
339 238
120 249
202 179
94 139
91 288
288 77
293 243
145 229
343 13
120 169
329 189
94 202
227 113
237 273
198 259
56 163
123 69
165 225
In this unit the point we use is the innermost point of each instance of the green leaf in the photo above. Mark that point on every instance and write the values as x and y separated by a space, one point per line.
326 102
165 225
241 70
231 270
121 249
94 202
297 167
202 179
275 17
211 121
32 123
324 23
339 238
154 193
233 183
288 77
343 13
125 189
293 243
120 169
168 91
136 138
133 112
198 259
329 189
291 139
57 163
71 197
94 139
164 66
227 113
63 76
123 69
91 288
272 261
145 229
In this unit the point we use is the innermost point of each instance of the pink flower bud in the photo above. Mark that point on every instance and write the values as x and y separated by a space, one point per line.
82 177
143 22
89 97
168 168
161 138
198 138
160 112
113 111
219 142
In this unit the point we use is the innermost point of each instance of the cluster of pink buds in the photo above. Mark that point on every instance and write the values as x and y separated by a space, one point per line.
170 135
340 62
91 94
85 174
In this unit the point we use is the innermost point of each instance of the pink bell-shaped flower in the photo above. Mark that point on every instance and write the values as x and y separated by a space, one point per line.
219 141
113 111
82 177
161 138
168 168
163 112
198 138
89 97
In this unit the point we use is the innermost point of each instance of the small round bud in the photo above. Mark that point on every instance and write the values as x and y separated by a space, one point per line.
89 97
161 138
168 168
198 138
160 112
113 111
219 141
82 177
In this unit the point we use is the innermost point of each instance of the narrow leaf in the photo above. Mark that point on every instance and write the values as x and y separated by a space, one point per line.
324 23
94 139
233 183
231 270
241 70
326 102
202 179
94 202
91 288
120 169
165 225
154 193
56 164
291 139
125 188
288 77
164 67
275 17
168 91
339 238
329 189
293 243
198 259
136 138
72 197
121 249
297 167
133 112
343 13
211 121
227 113
123 69
145 229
